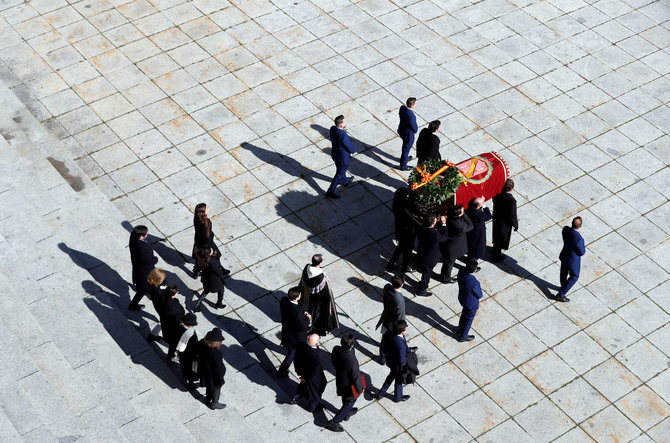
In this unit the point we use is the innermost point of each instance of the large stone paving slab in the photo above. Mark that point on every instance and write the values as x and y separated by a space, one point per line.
166 103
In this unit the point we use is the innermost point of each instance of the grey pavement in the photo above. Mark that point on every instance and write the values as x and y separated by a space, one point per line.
118 113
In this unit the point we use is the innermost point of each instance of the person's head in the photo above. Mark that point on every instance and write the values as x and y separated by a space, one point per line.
203 255
397 281
471 266
576 223
401 194
201 212
340 122
156 277
400 327
172 291
348 341
140 232
214 338
430 220
410 102
313 340
476 203
317 260
508 186
294 293
434 126
456 211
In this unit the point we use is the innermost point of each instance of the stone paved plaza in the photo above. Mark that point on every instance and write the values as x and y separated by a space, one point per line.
162 104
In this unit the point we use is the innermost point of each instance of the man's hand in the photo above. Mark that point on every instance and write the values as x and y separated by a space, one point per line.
308 315
302 379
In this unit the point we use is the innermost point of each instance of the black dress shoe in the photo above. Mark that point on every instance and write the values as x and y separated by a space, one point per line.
448 280
412 348
225 271
152 337
468 338
562 298
135 307
219 306
196 309
216 406
351 414
332 195
403 398
498 258
335 427
424 294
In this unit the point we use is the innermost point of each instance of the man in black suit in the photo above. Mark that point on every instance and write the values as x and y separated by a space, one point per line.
428 143
310 369
143 261
479 214
348 380
395 349
294 327
458 225
428 250
504 219
571 258
469 294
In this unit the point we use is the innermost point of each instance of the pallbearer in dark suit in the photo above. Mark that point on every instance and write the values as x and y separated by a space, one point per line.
294 327
310 369
407 129
341 153
479 214
143 261
347 379
428 251
458 225
211 368
428 144
571 258
395 350
504 219
469 293
404 231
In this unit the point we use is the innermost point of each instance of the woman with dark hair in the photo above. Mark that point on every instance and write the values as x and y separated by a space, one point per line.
204 237
156 279
211 368
143 261
213 274
173 314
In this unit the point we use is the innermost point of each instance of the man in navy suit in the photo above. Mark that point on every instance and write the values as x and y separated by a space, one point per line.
294 326
469 293
428 250
342 150
406 130
395 350
571 258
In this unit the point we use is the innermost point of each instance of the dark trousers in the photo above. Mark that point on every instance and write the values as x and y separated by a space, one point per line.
568 279
394 375
219 298
286 364
464 324
343 413
340 176
212 394
407 142
425 278
447 266
404 248
136 300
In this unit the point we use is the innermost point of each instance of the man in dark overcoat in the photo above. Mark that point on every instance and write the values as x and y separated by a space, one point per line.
469 293
143 260
294 327
309 367
405 233
341 153
348 382
211 368
458 225
571 258
478 214
504 219
395 349
428 250
406 130
428 143
173 314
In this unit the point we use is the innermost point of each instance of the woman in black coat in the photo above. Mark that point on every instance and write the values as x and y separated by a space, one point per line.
204 237
173 314
157 291
143 261
504 219
211 368
212 276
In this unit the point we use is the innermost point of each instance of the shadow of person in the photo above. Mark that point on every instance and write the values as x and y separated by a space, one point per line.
126 336
512 266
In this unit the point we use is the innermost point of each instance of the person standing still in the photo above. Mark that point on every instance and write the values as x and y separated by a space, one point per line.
428 143
571 258
143 260
504 219
341 154
407 128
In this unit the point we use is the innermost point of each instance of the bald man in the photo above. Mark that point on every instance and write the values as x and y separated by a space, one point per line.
479 214
310 369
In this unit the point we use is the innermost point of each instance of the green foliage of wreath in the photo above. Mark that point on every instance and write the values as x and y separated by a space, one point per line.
440 188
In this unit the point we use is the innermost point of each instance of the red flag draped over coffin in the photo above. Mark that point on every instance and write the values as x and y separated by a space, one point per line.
485 175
